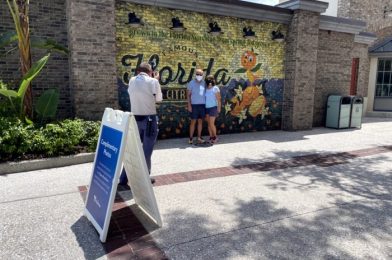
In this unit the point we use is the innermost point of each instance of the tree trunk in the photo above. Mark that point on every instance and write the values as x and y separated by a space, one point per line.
25 53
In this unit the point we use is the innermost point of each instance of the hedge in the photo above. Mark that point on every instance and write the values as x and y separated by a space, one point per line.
19 140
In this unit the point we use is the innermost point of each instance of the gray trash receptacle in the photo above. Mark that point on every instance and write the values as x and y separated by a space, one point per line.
338 111
356 112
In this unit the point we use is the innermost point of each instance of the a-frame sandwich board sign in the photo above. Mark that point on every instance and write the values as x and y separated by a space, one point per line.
118 141
106 169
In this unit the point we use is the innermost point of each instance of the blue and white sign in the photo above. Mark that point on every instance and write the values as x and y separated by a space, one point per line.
106 169
119 137
104 173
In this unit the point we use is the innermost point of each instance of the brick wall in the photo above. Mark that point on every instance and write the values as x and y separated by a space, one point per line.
300 70
344 8
373 16
333 70
383 33
92 43
47 19
105 51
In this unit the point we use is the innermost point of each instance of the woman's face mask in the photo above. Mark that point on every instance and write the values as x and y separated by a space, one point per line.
208 82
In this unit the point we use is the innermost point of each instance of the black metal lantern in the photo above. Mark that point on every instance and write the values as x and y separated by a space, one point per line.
214 28
277 36
177 25
133 20
248 33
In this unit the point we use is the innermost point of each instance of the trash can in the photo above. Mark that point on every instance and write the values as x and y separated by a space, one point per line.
356 112
338 111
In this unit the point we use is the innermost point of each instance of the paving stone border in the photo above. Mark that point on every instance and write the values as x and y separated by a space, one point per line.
321 160
39 164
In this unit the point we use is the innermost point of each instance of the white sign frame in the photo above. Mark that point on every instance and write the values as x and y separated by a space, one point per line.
138 175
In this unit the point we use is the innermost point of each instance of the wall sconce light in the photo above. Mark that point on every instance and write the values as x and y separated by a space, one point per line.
214 29
248 33
177 25
277 36
133 20
387 11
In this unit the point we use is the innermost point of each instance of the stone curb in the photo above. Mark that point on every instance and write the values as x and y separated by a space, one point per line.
39 164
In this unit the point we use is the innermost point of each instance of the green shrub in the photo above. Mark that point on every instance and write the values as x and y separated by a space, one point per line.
20 140
91 133
15 137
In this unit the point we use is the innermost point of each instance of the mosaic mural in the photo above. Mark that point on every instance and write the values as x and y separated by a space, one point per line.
249 72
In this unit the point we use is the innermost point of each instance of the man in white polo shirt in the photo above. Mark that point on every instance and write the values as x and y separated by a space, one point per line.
144 91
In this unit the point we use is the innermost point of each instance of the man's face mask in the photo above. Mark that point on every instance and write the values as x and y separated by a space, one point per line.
199 77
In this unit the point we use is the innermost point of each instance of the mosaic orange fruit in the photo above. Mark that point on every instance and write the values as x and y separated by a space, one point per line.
256 108
237 110
248 60
250 94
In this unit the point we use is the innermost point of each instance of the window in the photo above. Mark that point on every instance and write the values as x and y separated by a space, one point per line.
384 78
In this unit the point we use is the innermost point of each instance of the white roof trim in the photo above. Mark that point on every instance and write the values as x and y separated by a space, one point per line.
364 39
381 54
331 23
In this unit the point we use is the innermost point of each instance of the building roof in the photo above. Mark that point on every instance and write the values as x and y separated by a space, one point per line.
383 46
234 8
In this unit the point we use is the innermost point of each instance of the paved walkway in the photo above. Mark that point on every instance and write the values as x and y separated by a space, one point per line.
312 194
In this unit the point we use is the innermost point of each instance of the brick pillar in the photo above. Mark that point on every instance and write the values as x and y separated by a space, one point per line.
91 30
301 63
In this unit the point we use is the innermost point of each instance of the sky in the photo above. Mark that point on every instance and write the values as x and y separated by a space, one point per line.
266 2
332 8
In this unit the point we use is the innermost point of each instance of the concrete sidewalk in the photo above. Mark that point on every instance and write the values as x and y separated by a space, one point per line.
314 194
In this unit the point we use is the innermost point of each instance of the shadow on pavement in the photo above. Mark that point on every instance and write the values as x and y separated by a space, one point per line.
88 239
127 237
265 231
356 224
360 179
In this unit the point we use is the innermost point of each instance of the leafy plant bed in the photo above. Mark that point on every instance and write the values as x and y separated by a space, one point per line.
22 141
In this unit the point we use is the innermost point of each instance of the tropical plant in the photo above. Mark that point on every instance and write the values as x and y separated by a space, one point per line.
46 105
19 10
16 98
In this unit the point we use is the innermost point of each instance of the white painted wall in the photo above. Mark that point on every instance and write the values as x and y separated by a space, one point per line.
372 84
